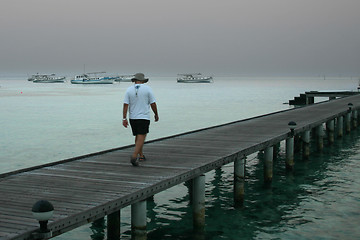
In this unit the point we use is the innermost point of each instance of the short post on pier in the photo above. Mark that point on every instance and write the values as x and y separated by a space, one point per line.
138 220
199 203
330 127
306 144
289 162
113 225
239 181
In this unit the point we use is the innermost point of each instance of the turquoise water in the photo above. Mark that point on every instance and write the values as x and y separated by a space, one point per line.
319 200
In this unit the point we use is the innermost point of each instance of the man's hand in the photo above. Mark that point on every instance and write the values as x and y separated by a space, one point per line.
156 117
125 123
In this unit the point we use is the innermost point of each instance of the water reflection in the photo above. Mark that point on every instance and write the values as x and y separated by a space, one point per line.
98 229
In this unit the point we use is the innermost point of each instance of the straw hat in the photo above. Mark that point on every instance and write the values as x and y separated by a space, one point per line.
139 77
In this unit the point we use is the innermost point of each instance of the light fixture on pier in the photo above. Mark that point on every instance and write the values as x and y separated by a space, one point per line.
292 126
350 105
42 211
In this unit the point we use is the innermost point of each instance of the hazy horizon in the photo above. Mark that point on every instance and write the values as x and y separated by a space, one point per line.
160 37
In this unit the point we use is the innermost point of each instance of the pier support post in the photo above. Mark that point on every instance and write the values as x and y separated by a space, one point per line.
276 151
289 162
309 100
268 165
189 184
306 144
239 180
355 118
113 226
340 126
348 122
349 118
330 125
320 137
138 220
199 203
290 148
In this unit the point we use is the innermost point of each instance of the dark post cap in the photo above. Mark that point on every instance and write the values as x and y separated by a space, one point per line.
42 206
292 123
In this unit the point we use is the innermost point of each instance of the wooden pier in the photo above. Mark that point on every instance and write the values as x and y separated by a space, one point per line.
90 187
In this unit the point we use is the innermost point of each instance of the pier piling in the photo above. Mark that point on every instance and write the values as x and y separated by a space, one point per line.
306 144
330 125
276 150
268 165
138 220
348 122
340 126
349 118
289 162
199 203
355 118
320 137
113 226
239 180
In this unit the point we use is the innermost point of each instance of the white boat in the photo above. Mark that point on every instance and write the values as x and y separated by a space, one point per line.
92 78
46 78
32 78
194 78
124 78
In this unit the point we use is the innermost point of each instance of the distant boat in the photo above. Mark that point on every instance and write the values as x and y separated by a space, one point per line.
194 78
124 78
92 78
46 78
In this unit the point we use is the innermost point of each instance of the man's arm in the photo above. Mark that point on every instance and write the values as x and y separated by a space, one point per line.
125 110
154 109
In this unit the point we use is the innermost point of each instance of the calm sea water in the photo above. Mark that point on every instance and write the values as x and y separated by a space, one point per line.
43 123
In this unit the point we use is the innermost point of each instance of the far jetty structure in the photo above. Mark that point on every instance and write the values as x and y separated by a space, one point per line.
64 195
309 97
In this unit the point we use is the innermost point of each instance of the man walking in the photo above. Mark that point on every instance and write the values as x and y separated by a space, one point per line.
138 100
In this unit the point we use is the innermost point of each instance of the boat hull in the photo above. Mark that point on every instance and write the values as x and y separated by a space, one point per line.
91 81
205 80
60 80
125 78
46 78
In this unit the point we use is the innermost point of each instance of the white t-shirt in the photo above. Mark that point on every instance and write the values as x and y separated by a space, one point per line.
139 97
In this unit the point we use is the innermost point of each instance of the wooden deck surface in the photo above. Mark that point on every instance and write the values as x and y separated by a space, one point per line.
88 187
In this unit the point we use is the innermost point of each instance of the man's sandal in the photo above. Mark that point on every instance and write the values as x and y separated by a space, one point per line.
143 158
134 161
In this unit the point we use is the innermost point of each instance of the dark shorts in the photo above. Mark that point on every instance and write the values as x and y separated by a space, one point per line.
139 126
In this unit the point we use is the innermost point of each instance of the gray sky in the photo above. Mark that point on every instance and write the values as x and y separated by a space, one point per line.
166 37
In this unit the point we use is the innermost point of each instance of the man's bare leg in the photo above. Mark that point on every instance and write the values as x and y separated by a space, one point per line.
139 143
